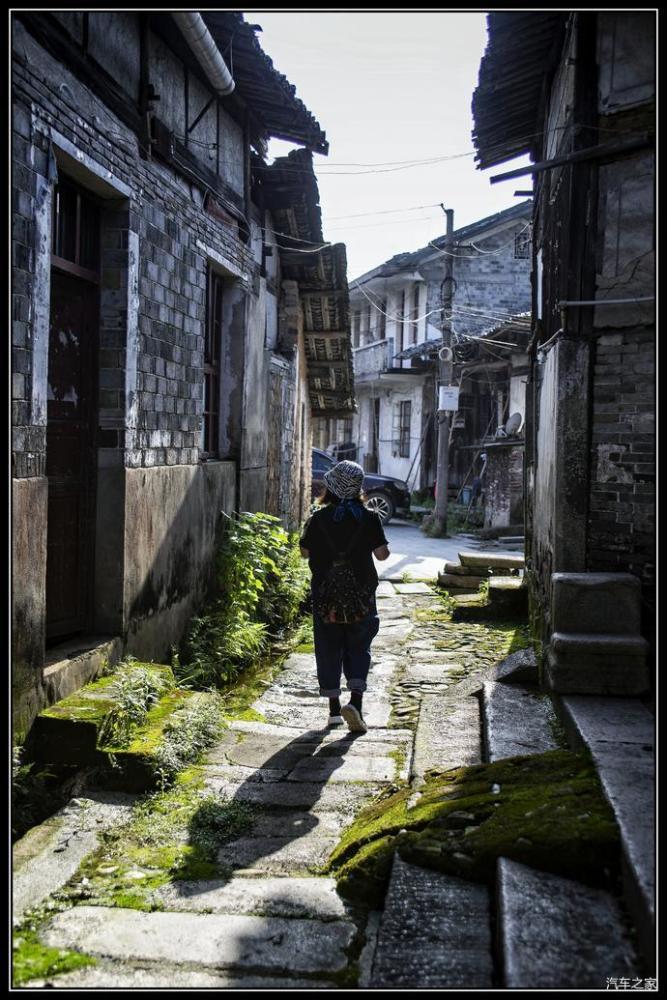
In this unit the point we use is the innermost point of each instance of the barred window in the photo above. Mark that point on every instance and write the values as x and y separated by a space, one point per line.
210 421
405 414
522 243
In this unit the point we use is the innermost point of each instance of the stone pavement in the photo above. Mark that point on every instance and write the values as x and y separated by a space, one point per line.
276 921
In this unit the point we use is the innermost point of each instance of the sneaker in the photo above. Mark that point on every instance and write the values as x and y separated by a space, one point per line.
335 720
355 722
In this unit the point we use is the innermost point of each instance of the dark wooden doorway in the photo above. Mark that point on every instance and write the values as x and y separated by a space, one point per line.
71 414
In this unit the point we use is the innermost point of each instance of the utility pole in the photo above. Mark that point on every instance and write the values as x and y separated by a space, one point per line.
445 377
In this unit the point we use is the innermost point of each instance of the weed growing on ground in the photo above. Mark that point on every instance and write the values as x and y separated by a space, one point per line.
135 689
217 821
188 733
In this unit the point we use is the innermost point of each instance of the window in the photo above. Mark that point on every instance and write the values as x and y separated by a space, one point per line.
400 321
415 314
522 242
382 320
209 435
357 328
404 417
75 245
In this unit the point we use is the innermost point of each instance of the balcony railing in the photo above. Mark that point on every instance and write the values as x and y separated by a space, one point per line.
373 358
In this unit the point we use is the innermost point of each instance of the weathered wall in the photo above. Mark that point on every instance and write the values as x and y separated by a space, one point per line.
504 486
171 519
29 509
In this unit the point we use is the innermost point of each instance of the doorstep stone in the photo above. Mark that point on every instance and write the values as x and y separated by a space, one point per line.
212 940
556 933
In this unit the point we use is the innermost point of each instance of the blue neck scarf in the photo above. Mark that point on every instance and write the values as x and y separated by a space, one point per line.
355 508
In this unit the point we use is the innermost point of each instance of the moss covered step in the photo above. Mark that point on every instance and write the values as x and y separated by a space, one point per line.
546 811
507 597
80 729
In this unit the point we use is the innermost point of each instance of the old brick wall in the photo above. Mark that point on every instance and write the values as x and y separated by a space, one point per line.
622 490
172 229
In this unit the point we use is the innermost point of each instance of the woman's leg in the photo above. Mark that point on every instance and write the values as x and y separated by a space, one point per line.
357 650
328 641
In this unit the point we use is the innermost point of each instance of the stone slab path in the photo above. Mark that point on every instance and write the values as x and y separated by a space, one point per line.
276 921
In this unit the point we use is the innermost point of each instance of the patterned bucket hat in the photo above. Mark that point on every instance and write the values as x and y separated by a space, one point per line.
345 480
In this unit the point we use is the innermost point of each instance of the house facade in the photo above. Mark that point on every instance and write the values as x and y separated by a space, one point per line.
579 89
396 330
161 324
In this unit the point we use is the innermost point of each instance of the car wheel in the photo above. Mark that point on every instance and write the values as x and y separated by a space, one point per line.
382 504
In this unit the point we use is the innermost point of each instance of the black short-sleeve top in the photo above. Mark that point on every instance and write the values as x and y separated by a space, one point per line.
370 536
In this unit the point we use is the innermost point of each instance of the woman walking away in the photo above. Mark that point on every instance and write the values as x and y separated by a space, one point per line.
339 540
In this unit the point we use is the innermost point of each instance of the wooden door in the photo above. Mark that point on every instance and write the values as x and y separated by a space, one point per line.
70 456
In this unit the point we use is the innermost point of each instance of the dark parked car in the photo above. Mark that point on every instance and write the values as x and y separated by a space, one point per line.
386 495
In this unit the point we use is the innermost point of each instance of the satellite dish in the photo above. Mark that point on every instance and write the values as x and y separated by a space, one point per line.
513 424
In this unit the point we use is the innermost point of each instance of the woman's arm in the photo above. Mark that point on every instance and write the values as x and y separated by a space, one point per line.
380 553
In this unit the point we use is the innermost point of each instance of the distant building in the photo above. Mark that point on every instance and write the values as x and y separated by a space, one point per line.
396 329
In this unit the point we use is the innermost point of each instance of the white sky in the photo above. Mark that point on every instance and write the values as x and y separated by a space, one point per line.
389 86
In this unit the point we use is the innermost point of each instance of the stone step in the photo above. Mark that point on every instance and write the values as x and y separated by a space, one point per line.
455 581
556 933
49 854
266 897
597 664
458 570
448 733
596 602
73 731
516 721
205 941
620 735
507 598
497 560
126 976
511 539
435 933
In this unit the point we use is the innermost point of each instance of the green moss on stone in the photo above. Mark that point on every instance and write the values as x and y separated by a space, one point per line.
33 960
549 813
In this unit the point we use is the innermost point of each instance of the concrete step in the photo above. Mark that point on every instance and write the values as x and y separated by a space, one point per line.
556 933
620 735
435 933
496 560
516 720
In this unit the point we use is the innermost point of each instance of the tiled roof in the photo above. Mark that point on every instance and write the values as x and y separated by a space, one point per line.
520 52
269 95
291 194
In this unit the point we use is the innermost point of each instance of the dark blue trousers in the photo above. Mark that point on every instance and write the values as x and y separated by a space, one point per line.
344 648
